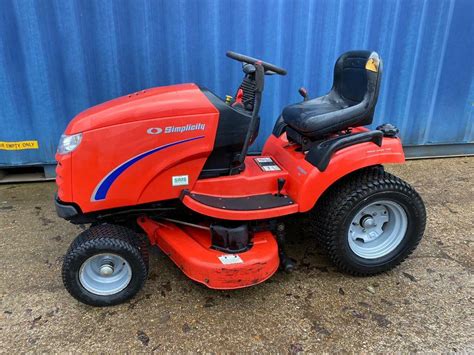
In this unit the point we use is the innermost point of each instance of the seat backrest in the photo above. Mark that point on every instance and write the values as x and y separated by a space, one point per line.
357 77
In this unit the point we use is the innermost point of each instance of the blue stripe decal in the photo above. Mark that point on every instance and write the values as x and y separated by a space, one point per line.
100 192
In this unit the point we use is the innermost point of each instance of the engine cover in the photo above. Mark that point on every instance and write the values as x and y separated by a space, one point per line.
140 148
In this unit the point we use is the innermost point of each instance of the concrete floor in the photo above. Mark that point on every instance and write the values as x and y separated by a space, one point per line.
426 304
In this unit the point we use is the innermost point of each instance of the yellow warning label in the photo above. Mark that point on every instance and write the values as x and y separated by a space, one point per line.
19 145
372 65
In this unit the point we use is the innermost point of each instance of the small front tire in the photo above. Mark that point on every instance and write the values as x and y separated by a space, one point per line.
104 266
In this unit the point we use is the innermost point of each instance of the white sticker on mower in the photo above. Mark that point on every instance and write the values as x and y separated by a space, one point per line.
264 160
230 259
180 180
267 164
271 168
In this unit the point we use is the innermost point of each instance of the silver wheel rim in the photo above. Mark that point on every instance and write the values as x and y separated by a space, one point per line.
377 229
105 274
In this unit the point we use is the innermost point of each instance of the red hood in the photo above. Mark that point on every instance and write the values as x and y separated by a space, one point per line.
165 101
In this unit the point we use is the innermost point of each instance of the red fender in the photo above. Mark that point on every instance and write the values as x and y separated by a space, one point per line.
306 183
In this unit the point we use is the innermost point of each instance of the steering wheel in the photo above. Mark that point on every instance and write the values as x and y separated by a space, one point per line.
246 59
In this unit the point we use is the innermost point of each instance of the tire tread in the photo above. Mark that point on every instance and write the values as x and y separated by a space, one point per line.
114 231
338 201
107 237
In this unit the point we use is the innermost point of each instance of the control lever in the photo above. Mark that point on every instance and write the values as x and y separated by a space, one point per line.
304 93
281 183
238 99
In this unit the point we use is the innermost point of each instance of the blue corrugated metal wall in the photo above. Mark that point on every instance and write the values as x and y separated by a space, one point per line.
59 57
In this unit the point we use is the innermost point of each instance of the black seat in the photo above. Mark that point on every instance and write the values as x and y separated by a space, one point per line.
350 103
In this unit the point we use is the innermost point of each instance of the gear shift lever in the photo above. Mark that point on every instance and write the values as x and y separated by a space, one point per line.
304 93
281 183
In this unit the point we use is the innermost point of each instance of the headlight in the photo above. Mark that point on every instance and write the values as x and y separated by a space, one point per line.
68 143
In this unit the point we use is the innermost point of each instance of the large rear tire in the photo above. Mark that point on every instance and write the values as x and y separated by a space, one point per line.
369 222
105 265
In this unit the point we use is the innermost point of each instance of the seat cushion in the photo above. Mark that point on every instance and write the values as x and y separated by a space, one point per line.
323 115
301 111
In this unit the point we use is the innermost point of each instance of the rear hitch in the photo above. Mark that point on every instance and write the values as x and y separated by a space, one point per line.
286 263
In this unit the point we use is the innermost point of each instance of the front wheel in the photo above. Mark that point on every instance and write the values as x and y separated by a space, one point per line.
370 222
105 265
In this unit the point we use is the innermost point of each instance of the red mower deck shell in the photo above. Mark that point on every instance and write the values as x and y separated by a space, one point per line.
190 249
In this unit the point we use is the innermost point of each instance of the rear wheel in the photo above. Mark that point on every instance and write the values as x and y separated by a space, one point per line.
105 265
370 222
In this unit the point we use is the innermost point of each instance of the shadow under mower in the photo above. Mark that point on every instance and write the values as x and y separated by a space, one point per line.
168 166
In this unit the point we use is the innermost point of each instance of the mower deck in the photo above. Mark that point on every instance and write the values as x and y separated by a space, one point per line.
190 249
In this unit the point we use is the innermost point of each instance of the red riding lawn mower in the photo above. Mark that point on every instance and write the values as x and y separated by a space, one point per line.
169 166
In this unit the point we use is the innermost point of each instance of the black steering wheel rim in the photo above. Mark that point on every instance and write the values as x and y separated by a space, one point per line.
250 60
